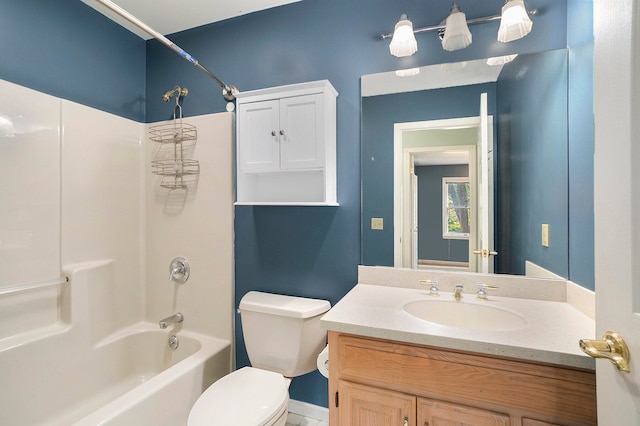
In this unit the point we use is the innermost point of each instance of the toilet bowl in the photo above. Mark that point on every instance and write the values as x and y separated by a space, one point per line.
248 396
283 338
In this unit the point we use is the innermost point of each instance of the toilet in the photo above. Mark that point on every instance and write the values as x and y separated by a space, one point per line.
283 338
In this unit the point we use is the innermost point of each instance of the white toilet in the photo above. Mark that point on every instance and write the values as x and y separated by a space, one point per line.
283 339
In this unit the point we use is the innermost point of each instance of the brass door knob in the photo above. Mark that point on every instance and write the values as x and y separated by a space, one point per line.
612 346
485 252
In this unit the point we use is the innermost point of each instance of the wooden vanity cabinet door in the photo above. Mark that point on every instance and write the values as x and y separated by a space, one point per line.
437 413
371 406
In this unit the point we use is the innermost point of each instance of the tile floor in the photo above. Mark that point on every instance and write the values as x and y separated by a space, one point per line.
298 420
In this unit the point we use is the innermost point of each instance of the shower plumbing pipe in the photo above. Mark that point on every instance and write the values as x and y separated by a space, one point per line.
228 91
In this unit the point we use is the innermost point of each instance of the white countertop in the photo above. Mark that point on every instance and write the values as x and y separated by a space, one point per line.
551 335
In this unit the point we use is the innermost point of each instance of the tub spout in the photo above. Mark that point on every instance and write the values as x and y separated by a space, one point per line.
173 319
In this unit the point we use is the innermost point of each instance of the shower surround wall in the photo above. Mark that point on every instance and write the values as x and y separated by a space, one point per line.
197 225
79 189
77 186
102 216
80 193
76 197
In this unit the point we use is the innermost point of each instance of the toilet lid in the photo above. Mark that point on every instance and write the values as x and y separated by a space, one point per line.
247 397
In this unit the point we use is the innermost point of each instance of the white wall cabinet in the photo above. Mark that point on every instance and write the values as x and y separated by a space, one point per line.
286 145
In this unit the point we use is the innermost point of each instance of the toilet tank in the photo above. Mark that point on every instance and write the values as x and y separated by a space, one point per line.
283 333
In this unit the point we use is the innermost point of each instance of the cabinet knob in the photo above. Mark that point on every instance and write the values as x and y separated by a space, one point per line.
406 422
281 132
273 133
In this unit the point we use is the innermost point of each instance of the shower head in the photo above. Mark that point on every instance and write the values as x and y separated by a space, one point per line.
167 96
180 91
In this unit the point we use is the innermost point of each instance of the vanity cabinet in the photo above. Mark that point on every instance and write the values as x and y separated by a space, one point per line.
443 413
367 405
286 145
375 382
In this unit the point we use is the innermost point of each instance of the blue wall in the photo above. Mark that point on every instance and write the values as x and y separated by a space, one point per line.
68 50
532 158
64 48
581 148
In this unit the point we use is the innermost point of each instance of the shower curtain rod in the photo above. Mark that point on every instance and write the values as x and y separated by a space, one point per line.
228 91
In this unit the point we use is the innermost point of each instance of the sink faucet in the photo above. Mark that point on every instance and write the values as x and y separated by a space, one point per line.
458 291
433 289
173 319
482 293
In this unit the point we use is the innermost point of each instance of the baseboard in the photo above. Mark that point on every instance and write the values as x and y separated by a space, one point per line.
309 410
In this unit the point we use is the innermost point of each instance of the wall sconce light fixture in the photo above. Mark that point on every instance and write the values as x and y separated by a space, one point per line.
515 23
456 33
404 41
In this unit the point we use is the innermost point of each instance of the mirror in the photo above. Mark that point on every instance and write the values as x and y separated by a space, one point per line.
425 118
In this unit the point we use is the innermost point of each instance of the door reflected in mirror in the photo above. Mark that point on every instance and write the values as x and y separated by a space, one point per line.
527 171
428 155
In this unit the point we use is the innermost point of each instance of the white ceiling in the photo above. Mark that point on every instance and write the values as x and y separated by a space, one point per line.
170 16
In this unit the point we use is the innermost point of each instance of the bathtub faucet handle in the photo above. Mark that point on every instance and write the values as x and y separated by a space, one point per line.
179 270
175 271
173 319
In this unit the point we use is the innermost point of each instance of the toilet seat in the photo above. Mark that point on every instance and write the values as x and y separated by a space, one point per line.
247 397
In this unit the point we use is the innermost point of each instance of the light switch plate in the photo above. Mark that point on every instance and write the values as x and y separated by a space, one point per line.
377 223
545 235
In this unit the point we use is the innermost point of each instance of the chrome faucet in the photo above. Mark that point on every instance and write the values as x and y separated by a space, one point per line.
433 287
482 293
458 291
173 319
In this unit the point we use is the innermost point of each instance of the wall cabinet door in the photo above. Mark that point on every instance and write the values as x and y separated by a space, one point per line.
436 413
258 129
301 133
285 134
370 406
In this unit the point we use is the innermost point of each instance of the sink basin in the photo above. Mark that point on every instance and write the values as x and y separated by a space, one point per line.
465 315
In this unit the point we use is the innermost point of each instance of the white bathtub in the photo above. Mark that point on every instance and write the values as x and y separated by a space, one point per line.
61 375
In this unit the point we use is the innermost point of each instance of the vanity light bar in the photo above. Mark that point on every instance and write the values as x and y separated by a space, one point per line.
442 26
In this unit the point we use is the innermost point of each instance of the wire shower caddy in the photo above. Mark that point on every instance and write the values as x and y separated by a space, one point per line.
178 137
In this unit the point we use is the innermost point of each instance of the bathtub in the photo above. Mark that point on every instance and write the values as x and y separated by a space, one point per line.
71 373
